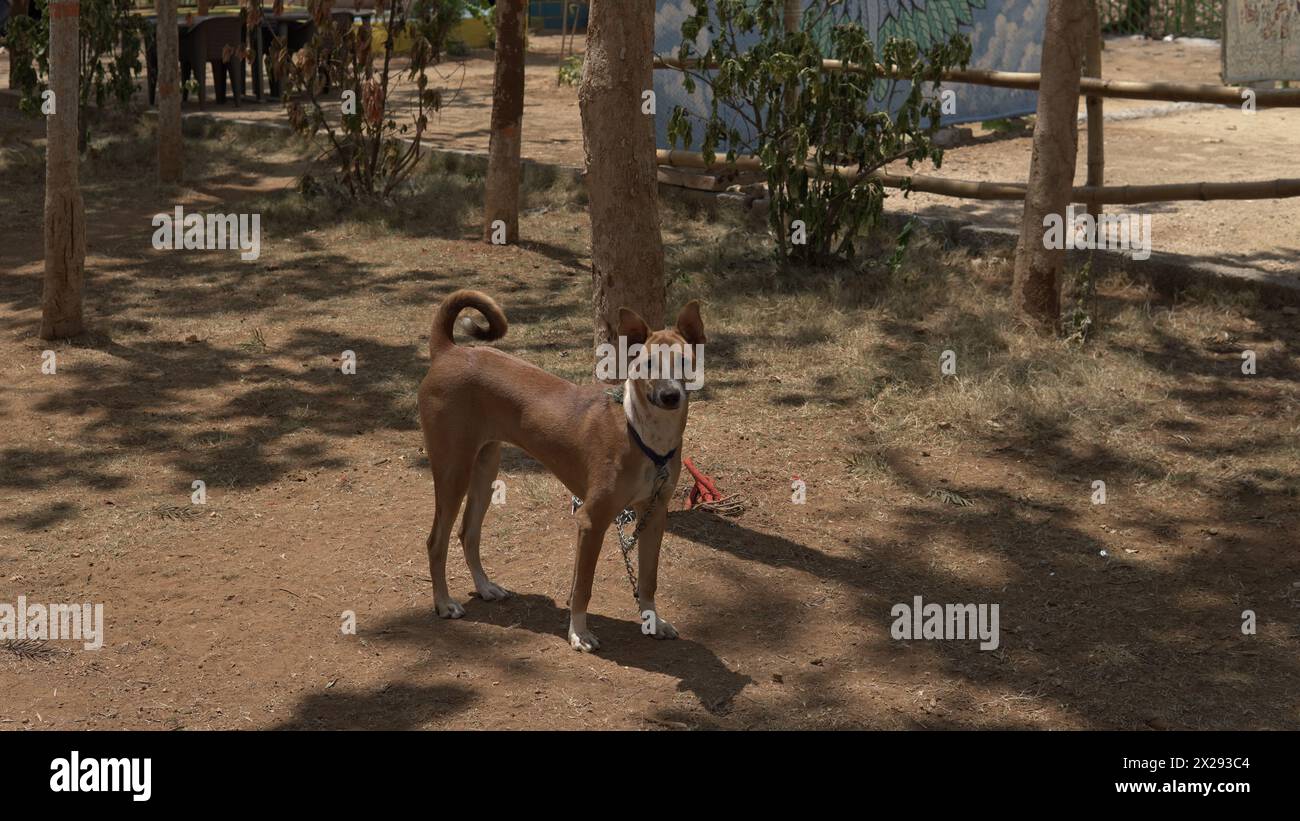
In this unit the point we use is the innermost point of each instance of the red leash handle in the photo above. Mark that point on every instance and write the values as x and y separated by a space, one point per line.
704 490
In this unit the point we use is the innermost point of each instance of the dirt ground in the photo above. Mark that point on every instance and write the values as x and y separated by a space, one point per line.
1125 615
553 126
228 615
1182 143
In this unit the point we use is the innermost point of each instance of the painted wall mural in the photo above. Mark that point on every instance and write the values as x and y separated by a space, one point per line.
1006 35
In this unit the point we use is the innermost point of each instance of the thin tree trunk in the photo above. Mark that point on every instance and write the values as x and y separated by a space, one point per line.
627 254
501 193
170 164
1035 288
564 34
792 14
1095 104
65 216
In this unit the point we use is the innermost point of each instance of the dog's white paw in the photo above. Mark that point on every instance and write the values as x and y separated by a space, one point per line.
659 629
584 641
449 610
665 630
487 591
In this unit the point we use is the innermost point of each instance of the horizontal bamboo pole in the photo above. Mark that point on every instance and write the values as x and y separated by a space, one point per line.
1172 192
1091 86
1127 90
971 189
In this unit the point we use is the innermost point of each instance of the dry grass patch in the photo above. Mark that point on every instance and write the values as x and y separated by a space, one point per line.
871 338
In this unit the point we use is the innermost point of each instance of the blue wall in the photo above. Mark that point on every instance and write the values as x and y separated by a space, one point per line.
547 14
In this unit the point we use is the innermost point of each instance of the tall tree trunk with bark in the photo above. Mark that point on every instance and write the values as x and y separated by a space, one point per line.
627 253
170 165
501 194
65 214
1036 289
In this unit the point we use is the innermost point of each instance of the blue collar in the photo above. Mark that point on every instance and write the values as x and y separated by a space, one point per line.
660 461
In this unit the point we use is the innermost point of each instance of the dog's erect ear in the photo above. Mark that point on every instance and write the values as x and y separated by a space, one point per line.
689 324
632 326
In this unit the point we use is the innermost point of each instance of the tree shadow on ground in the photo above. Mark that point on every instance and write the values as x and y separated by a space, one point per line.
283 378
697 669
391 707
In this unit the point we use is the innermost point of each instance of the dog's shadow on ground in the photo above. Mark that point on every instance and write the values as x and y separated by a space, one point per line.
697 669
393 707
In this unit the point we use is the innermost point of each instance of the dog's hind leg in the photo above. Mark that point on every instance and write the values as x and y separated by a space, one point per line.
471 524
449 484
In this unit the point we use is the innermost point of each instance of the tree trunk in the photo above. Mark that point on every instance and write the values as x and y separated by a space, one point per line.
65 215
1095 105
564 33
627 253
501 195
170 165
792 13
792 16
1035 289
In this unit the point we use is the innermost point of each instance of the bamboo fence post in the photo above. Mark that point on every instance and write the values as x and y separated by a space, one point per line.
1094 193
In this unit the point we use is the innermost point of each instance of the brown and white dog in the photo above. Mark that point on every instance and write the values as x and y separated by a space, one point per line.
473 399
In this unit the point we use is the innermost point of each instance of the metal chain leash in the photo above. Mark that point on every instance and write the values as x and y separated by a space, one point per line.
622 520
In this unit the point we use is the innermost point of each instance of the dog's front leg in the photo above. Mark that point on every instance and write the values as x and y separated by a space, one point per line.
647 559
592 524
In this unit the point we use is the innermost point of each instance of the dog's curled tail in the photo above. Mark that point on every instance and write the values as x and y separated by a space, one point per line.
444 321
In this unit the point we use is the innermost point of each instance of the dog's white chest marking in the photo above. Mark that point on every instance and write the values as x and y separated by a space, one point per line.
658 430
646 480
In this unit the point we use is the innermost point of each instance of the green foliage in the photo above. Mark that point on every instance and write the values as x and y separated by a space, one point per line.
1001 125
482 10
435 19
571 70
28 41
371 152
1079 321
819 134
895 262
111 42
